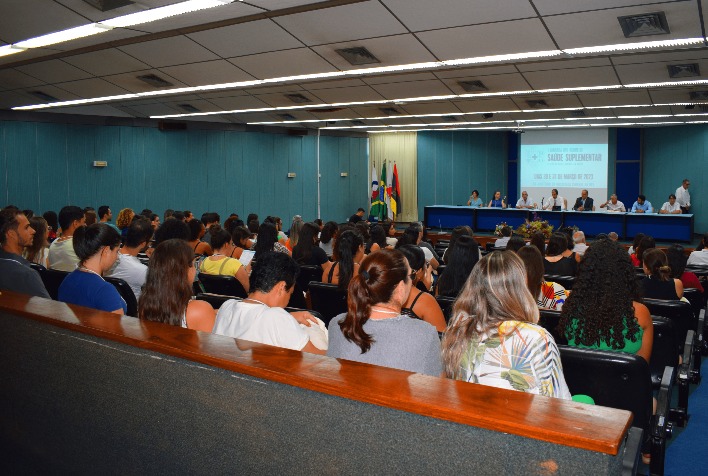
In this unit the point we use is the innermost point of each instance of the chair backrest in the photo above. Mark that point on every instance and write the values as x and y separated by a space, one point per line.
126 292
489 246
52 279
565 281
226 285
216 300
663 351
612 379
309 273
328 300
696 298
37 267
548 319
679 312
446 303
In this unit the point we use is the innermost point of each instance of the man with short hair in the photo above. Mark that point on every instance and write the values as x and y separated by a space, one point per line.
555 202
105 215
671 207
209 219
188 215
15 273
506 236
642 205
525 201
579 240
261 317
614 205
61 251
357 217
128 267
583 203
613 236
683 197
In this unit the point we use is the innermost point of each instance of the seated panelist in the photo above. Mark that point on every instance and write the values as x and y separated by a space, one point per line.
497 201
554 202
583 203
671 207
614 205
525 201
642 205
474 200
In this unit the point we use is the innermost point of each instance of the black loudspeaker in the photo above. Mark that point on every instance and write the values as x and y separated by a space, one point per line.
165 126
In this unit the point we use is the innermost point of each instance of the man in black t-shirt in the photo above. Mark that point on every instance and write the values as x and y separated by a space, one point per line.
358 216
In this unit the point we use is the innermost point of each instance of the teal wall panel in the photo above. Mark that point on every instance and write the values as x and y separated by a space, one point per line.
49 165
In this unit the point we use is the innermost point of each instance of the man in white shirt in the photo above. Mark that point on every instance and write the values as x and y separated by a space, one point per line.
579 240
504 240
699 258
261 317
128 267
525 201
61 251
614 205
554 202
671 207
683 197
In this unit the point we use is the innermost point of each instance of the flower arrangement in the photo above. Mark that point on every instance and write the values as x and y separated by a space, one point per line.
536 225
497 230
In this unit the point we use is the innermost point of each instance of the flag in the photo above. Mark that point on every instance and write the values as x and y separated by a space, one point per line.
390 202
382 195
396 193
375 202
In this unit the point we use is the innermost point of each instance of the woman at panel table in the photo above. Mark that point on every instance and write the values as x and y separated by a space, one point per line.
474 200
497 201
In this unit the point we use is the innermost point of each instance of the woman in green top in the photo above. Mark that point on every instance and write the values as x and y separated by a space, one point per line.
602 311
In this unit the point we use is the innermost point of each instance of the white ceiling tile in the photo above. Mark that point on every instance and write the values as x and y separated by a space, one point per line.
490 39
246 39
89 88
412 89
54 91
130 81
564 64
343 113
342 83
567 78
13 79
357 93
54 71
609 98
104 62
420 15
282 88
343 23
476 71
485 105
208 72
442 107
147 110
389 50
663 96
25 19
283 63
169 51
601 27
554 7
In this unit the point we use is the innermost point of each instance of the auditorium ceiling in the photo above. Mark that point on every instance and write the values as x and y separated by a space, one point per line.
362 65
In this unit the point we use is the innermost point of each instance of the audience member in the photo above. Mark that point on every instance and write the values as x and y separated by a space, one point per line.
613 236
374 330
89 217
268 241
53 224
462 260
220 262
261 317
377 239
105 215
188 216
241 238
167 294
16 234
209 219
457 232
635 243
548 294
125 217
390 228
178 215
196 232
538 240
493 338
645 244
700 256
306 252
413 235
168 214
603 310
348 253
568 231
515 243
294 235
128 267
579 245
97 249
155 221
658 282
38 251
329 232
421 304
677 262
171 229
506 232
61 252
554 262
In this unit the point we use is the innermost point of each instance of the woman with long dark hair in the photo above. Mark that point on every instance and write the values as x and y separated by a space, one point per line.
603 310
38 251
374 330
493 337
241 238
348 253
677 262
457 232
167 294
329 232
268 240
420 304
659 282
97 247
306 251
462 260
196 232
220 262
554 262
377 239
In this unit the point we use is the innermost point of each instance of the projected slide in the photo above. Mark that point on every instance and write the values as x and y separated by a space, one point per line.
568 160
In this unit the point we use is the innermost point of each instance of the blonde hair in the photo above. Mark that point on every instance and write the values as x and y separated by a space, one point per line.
495 292
125 216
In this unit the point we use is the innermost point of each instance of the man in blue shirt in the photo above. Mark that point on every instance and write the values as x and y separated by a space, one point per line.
642 205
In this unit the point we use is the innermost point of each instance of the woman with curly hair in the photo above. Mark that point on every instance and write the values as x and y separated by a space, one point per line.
125 217
603 311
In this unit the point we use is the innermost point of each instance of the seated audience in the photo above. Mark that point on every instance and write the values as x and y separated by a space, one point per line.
220 262
167 294
549 295
554 262
646 243
125 217
613 236
348 253
196 233
38 251
16 234
169 230
377 239
390 228
128 267
463 259
61 251
413 235
268 241
208 220
53 224
493 338
457 232
569 252
294 235
515 243
374 330
500 243
97 248
579 245
700 256
155 220
658 282
306 252
538 240
241 238
677 262
603 311
90 217
169 213
329 231
635 243
420 304
261 317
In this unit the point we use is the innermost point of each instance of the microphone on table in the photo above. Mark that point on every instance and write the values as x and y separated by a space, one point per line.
542 200
440 225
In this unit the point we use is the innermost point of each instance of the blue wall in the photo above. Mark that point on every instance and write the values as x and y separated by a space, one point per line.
452 164
670 155
45 166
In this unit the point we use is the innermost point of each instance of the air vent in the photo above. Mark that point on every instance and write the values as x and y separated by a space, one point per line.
43 96
154 80
298 98
188 108
357 56
358 123
699 95
107 5
578 113
389 111
487 115
473 86
644 25
537 103
689 70
286 117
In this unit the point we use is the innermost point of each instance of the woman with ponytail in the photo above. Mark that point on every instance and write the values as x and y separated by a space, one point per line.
97 249
658 282
374 330
348 253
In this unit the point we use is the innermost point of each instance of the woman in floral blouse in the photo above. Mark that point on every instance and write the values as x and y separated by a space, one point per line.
493 338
